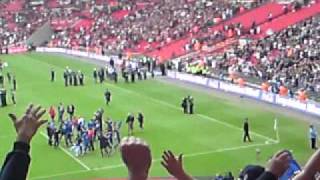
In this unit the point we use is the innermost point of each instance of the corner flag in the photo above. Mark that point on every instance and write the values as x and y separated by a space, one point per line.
275 126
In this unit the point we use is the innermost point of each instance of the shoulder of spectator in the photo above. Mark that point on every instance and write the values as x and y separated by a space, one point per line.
268 176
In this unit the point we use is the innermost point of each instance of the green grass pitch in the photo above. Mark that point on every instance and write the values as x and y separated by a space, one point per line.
210 140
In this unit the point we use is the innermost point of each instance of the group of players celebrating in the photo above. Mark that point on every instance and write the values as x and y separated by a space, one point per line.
81 135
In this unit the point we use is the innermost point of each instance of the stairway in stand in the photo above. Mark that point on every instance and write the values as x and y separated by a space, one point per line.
259 15
289 19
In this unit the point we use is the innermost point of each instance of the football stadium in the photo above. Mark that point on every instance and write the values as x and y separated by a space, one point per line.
159 89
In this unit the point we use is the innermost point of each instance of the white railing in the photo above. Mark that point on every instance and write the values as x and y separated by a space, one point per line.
105 58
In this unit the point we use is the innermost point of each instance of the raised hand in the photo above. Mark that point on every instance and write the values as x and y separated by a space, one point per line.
174 166
28 124
137 157
279 163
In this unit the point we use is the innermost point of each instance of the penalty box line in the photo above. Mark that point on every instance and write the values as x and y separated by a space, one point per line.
191 155
197 114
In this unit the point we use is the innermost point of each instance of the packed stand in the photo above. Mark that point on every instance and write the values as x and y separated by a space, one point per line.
17 25
115 25
148 25
287 59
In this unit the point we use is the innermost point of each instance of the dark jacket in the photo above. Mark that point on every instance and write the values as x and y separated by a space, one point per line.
267 176
246 127
17 162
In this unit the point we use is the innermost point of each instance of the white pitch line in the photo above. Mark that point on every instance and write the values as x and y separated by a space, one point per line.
228 149
155 160
70 155
199 115
235 127
197 154
108 167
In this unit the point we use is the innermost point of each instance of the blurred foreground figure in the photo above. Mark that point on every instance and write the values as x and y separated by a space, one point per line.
136 155
17 162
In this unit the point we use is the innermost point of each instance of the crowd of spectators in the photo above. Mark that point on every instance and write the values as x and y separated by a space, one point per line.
10 33
237 30
163 22
287 59
145 24
17 27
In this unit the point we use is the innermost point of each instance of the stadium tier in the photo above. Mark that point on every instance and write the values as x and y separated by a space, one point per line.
159 89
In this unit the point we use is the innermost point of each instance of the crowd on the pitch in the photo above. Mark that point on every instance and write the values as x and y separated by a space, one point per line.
81 135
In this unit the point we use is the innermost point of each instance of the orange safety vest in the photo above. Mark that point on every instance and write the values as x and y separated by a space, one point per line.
283 91
241 82
265 87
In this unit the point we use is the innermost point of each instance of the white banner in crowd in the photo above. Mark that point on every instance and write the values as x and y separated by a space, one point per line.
309 107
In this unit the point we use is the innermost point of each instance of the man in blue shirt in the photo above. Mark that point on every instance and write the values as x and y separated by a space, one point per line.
68 133
50 131
313 136
86 141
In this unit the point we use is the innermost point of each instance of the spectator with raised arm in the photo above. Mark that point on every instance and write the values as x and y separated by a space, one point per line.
277 166
174 165
16 164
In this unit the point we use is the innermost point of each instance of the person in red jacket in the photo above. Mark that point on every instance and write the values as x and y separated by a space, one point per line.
52 113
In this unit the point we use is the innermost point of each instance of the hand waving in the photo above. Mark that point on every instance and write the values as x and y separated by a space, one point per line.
137 157
28 124
174 166
279 163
